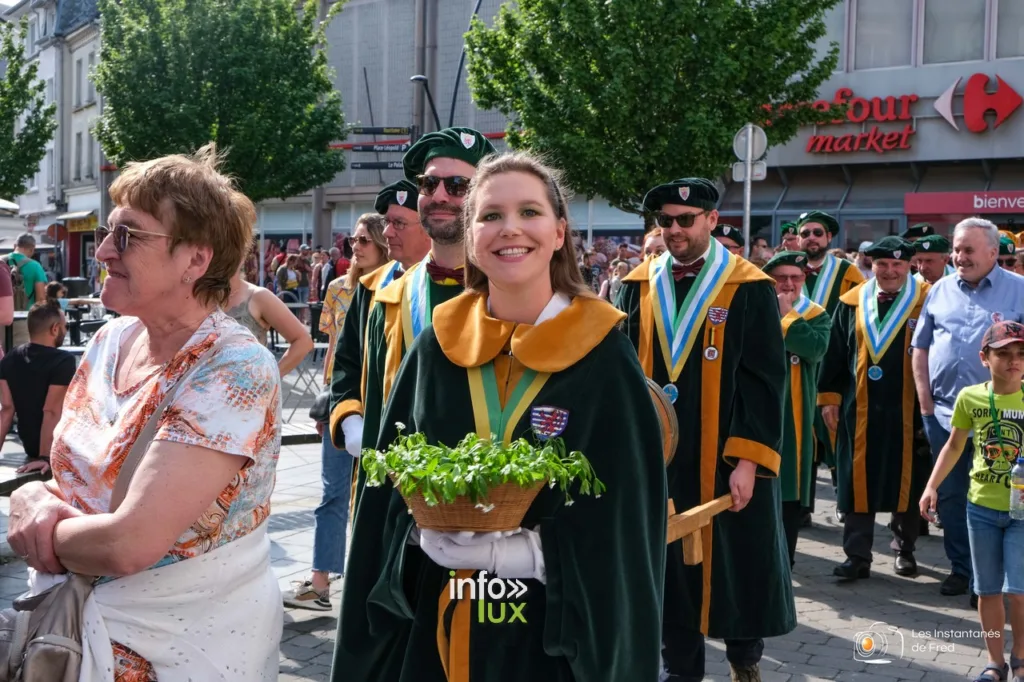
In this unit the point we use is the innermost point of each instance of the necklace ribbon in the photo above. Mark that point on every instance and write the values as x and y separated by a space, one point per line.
802 305
880 333
678 327
389 275
826 279
416 308
493 421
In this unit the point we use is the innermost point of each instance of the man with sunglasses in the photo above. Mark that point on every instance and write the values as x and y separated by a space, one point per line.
1007 258
866 388
407 245
931 258
706 326
441 164
828 278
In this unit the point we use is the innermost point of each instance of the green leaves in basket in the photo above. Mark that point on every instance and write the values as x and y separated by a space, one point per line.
475 466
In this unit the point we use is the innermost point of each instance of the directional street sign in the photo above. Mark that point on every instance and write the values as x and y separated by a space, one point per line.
379 130
404 147
759 173
376 165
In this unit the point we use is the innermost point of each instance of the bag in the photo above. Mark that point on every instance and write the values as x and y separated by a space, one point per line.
17 283
321 410
41 637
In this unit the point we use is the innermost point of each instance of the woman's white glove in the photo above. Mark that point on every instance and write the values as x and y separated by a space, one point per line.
510 554
352 427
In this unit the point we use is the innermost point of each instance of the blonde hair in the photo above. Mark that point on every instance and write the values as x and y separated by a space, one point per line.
201 206
566 277
374 224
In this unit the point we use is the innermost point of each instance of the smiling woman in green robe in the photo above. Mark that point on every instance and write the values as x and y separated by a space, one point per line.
528 352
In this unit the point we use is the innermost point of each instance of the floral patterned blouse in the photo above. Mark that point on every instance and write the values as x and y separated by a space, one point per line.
231 404
336 304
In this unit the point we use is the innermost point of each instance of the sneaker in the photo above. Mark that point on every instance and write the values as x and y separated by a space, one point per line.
305 597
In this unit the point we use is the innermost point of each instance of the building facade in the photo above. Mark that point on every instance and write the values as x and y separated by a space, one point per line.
934 127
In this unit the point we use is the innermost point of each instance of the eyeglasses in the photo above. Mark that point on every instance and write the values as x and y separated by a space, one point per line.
665 221
1007 262
362 240
815 232
396 225
121 233
455 186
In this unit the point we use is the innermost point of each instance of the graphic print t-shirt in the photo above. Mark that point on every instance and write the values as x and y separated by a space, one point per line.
990 470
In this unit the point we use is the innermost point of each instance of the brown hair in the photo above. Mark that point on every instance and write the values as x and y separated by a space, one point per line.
201 206
374 224
566 277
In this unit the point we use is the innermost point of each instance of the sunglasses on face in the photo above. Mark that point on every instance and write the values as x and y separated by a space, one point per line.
455 186
121 233
815 232
362 240
1007 262
665 221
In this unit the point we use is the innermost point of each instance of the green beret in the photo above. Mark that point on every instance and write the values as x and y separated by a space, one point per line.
891 247
696 192
917 231
830 224
729 232
788 228
1006 247
464 144
402 193
794 258
933 243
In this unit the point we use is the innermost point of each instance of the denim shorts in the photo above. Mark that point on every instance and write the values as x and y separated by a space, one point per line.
997 551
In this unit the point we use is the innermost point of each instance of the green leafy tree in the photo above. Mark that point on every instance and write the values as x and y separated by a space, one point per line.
22 100
250 75
624 94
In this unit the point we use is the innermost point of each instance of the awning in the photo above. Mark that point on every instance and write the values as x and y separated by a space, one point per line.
77 215
8 206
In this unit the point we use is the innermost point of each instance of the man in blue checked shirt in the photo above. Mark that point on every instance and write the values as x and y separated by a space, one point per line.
947 341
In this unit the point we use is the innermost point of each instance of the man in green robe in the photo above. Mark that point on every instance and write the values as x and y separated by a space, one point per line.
867 391
931 258
408 243
441 164
806 327
706 326
828 278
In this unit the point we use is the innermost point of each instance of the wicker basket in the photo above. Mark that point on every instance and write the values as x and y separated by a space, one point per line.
510 500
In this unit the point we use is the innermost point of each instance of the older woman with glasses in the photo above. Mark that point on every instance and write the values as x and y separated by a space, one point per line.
182 392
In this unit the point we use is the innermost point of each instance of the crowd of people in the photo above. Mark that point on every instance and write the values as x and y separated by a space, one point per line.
469 306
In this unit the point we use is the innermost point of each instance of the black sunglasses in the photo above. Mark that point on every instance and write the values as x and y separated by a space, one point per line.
685 220
816 232
1011 261
455 186
121 233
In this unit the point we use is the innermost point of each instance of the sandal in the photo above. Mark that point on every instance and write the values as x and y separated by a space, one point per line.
1016 663
1002 672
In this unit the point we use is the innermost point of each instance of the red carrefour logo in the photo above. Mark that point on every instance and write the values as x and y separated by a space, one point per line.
978 102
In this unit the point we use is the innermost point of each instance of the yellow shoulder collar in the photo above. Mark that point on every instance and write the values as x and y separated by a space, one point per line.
370 280
852 297
470 337
392 293
743 271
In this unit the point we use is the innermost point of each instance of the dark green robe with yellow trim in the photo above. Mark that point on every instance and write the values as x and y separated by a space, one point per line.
877 466
598 617
806 337
849 276
747 592
366 554
350 353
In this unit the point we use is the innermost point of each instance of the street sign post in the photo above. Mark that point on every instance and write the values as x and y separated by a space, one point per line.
376 165
379 130
760 171
749 145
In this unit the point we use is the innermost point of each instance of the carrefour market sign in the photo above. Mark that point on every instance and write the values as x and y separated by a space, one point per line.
881 112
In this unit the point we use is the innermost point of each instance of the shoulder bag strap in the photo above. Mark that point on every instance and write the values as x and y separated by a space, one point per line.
142 443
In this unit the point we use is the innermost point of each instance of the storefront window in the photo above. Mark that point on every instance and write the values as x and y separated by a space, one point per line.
857 230
1010 29
954 31
884 33
835 31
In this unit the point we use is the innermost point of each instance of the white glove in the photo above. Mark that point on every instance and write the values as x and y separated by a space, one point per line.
512 554
352 427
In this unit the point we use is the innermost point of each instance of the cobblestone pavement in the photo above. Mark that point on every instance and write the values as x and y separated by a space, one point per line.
937 637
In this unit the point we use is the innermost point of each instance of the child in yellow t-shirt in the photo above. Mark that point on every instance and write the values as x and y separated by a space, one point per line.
993 413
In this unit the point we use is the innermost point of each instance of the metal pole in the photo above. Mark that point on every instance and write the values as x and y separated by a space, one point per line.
263 249
746 189
462 61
